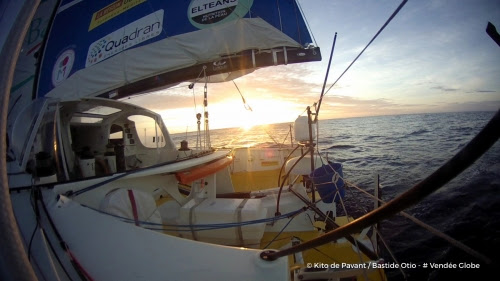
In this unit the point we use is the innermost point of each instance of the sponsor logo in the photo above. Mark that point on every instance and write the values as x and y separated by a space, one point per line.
126 37
112 10
219 65
204 13
63 66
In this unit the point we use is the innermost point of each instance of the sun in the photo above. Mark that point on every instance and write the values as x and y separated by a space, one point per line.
247 120
247 126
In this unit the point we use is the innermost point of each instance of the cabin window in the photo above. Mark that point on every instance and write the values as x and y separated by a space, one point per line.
93 115
46 159
148 131
86 120
116 136
102 110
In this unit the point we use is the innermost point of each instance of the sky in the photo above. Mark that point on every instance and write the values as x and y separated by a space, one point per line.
434 56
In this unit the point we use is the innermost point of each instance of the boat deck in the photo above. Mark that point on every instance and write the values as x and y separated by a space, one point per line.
253 181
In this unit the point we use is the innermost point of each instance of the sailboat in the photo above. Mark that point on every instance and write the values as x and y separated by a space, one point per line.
94 200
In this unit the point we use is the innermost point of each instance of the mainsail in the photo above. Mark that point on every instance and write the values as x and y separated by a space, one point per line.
119 48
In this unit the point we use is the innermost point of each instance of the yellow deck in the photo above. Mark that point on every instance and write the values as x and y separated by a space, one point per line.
252 181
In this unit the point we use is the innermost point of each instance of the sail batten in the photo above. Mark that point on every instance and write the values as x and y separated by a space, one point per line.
129 49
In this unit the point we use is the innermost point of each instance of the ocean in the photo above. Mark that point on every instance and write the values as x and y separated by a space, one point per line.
403 150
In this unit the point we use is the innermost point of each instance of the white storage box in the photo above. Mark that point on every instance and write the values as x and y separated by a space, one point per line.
223 211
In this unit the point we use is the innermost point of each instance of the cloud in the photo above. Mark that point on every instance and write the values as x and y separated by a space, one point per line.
485 91
493 105
445 89
344 107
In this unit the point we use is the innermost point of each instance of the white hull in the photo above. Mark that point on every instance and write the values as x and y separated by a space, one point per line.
114 250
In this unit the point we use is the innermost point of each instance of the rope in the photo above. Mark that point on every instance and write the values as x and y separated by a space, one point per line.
307 23
279 233
380 235
284 163
368 252
279 15
373 39
283 143
35 194
297 23
200 227
390 252
356 243
247 106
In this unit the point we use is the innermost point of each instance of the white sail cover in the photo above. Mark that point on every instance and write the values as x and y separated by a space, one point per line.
171 54
96 47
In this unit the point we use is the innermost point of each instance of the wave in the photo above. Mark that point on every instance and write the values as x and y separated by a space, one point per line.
418 132
342 146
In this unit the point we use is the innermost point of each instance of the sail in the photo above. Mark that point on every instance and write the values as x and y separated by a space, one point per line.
117 48
21 92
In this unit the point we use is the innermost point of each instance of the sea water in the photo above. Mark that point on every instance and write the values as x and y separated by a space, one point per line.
403 150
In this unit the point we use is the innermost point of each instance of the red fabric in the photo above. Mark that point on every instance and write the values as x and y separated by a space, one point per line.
134 206
203 171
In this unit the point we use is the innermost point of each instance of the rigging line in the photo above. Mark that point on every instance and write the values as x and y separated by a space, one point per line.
322 253
373 39
259 243
297 20
35 194
206 226
390 252
307 22
279 14
356 242
456 165
283 143
327 256
37 225
377 232
194 100
284 163
279 233
274 140
432 230
212 226
245 104
379 235
34 207
305 110
286 176
368 252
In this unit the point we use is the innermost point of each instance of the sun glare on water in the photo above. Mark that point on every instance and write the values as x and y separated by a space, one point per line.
263 112
247 122
233 114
